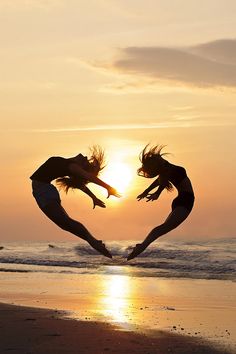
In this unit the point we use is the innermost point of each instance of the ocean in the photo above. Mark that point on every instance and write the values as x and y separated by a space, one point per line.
214 259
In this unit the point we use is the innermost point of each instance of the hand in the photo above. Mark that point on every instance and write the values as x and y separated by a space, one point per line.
152 197
98 202
112 191
142 195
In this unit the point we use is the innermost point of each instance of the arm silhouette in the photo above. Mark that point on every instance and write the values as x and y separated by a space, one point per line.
79 171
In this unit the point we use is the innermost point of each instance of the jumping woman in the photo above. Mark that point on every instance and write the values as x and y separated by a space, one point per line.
168 175
74 172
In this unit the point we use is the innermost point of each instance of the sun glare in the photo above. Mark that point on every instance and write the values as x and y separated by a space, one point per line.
116 300
118 174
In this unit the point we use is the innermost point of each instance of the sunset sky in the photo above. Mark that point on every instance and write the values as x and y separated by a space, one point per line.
120 74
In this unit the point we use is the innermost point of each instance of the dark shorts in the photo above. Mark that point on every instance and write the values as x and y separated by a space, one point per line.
184 199
45 193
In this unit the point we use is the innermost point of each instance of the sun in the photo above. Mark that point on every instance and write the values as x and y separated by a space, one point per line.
118 174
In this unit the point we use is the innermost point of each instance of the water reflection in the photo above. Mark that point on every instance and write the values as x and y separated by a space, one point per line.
115 302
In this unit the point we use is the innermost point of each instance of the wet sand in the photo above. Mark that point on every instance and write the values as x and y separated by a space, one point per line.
81 313
31 330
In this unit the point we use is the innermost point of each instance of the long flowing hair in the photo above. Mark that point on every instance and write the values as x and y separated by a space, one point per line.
153 163
96 163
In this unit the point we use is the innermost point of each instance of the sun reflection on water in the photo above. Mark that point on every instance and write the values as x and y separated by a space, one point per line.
116 300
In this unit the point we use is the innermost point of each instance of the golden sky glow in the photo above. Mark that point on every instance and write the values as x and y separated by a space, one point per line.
119 74
118 174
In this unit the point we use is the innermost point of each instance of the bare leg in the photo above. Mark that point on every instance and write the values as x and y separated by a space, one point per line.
175 218
59 216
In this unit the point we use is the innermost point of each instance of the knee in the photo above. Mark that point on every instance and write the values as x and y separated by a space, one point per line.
72 225
159 227
65 224
165 227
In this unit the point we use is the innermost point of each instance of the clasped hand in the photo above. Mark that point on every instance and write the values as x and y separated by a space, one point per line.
148 196
112 191
152 196
100 203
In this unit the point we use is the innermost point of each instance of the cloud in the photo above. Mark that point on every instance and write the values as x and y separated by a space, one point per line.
176 121
222 51
106 127
210 64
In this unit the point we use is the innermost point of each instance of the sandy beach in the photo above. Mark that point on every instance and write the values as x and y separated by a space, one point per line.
91 313
32 330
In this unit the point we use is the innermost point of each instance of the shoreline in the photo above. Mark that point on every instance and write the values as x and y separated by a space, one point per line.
180 313
37 331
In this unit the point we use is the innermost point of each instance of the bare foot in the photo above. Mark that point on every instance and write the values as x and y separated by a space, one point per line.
99 246
139 248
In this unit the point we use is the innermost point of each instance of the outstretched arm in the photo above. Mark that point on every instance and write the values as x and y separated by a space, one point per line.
156 195
79 171
95 200
155 184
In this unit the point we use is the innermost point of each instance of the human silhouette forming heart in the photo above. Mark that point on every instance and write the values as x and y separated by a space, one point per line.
76 172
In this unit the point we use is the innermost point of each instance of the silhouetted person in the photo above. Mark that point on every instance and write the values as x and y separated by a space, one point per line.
74 172
154 165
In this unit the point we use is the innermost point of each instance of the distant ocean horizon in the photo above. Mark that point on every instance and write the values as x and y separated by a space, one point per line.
212 259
